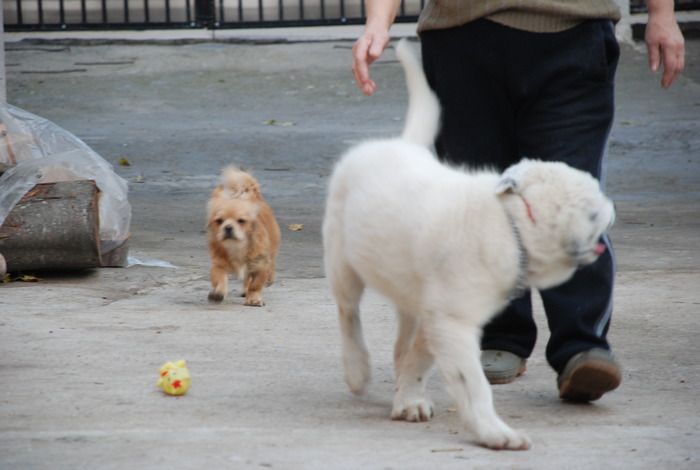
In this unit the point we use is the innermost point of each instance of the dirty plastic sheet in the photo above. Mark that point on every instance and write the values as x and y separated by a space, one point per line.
43 152
134 261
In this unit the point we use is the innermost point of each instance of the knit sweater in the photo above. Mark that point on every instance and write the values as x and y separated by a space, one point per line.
540 16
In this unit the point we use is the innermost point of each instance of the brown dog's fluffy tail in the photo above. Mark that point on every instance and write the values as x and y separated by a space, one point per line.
239 184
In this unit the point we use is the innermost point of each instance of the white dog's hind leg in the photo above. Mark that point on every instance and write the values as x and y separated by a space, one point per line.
456 350
347 289
412 361
355 355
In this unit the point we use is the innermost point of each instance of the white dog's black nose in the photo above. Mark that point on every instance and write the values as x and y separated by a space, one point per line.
228 232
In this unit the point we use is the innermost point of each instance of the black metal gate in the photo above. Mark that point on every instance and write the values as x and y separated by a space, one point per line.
65 15
71 15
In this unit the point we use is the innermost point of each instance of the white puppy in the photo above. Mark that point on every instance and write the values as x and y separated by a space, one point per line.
450 248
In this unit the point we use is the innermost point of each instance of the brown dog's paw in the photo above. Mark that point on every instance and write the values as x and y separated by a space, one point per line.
255 303
215 297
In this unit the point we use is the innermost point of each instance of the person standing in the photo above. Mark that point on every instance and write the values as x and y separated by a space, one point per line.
532 78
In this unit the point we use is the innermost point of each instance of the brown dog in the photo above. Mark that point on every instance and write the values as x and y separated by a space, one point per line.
243 237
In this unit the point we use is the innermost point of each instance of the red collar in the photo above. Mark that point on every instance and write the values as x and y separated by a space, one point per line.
528 208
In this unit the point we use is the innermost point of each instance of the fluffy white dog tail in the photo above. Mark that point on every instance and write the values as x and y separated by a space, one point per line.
423 117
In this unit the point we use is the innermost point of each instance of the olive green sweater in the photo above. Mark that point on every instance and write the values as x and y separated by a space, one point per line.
538 16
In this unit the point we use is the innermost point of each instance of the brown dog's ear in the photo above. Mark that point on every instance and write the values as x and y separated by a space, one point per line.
253 211
211 219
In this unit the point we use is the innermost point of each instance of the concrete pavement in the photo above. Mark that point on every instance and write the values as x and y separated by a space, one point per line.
80 352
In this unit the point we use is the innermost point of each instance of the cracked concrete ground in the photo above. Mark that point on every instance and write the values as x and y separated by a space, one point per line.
80 352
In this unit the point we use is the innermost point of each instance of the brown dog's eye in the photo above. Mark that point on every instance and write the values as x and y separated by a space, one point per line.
241 221
219 221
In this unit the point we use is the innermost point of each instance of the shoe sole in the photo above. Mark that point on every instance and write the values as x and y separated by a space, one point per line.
589 381
506 379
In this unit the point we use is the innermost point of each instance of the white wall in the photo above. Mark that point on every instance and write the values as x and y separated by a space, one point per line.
624 27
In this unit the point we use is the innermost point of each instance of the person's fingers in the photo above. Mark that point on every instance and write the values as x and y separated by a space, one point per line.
674 62
361 60
654 57
368 48
665 47
670 73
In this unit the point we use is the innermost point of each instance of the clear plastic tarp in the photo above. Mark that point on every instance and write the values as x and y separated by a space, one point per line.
42 152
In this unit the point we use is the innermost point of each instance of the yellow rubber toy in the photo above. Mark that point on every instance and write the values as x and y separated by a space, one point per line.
174 378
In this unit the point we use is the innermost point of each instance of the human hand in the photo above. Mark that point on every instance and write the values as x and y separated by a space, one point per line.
665 46
368 48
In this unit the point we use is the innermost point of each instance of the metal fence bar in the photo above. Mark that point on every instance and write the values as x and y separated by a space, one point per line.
640 6
204 13
18 11
40 8
62 11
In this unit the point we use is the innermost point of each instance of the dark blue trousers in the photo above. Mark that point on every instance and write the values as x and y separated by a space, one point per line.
508 94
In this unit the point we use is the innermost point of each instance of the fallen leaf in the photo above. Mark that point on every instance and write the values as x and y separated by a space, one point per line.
25 278
296 227
273 122
124 162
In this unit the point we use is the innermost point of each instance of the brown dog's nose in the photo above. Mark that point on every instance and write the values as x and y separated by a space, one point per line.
228 232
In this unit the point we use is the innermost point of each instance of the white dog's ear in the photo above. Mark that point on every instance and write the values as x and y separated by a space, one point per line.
507 184
513 178
510 180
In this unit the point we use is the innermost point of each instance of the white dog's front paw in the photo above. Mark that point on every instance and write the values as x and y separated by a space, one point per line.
508 439
414 411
